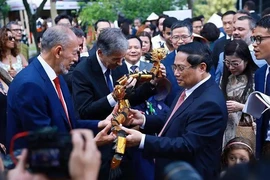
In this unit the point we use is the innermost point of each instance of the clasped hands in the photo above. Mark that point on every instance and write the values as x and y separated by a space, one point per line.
234 106
135 118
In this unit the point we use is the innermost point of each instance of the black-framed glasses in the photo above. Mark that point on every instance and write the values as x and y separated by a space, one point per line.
233 64
16 30
10 38
179 67
258 39
183 37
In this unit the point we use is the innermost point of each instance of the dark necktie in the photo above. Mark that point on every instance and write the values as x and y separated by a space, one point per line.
61 98
267 85
133 68
108 80
177 105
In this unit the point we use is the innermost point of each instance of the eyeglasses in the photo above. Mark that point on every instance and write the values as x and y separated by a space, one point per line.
16 30
183 37
233 64
258 39
179 67
10 38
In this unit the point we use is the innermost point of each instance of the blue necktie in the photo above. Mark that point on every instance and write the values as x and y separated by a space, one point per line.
108 80
133 68
267 85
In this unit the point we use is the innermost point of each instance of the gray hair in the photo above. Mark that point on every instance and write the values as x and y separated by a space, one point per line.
55 35
251 21
112 40
10 23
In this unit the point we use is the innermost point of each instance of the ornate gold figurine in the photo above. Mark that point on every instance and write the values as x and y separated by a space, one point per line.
123 112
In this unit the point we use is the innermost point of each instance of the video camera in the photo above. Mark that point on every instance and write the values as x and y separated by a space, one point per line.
49 152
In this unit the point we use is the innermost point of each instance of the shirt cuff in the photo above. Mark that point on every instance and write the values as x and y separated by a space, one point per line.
84 54
141 146
143 124
111 100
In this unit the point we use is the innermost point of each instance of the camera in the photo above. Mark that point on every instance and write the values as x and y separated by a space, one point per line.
49 152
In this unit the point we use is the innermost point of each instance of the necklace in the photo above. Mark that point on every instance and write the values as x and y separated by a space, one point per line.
10 62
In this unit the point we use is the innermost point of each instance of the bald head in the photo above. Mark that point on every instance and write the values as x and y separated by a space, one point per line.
57 35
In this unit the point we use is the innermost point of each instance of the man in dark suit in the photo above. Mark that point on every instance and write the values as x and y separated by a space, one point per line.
93 82
38 96
194 126
92 90
133 55
227 21
181 33
250 7
261 40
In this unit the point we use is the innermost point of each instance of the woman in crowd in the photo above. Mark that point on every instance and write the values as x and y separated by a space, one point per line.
146 44
237 83
10 59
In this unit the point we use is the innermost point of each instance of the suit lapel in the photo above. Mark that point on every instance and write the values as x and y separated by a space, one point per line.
119 72
188 101
98 74
261 77
51 92
68 101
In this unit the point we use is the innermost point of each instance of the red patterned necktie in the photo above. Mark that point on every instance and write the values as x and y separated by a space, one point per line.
61 98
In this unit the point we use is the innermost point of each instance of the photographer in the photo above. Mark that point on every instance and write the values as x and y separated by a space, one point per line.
84 161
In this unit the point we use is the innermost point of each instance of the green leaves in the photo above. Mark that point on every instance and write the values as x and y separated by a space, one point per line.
109 9
209 7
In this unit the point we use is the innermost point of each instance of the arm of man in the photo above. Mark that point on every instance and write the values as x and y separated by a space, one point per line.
202 128
31 105
84 100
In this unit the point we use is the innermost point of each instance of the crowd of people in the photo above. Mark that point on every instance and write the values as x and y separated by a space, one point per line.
181 125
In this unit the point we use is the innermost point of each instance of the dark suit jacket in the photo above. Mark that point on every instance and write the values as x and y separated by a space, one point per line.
218 48
90 89
194 133
255 16
33 104
262 123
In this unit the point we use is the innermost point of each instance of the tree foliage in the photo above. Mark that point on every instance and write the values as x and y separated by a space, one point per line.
4 9
108 9
33 17
209 7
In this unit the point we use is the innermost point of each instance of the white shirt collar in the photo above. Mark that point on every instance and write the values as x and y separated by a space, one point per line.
104 69
251 11
48 69
129 65
189 91
251 48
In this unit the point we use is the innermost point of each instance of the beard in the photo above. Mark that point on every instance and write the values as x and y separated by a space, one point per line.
63 68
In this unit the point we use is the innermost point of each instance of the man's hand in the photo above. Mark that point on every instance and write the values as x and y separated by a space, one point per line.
133 138
85 159
108 119
12 72
103 137
131 82
20 172
136 117
162 69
